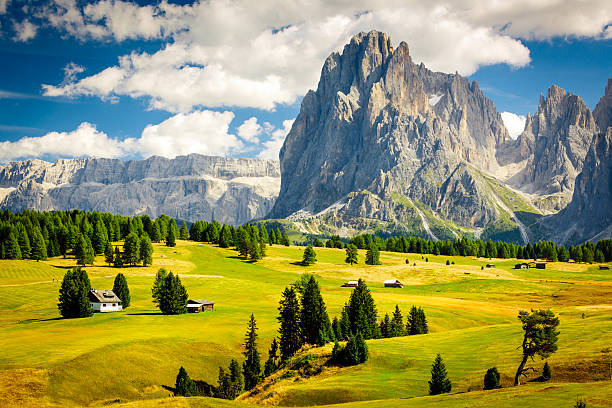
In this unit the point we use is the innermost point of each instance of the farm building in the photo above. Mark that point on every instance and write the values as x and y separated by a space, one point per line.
522 265
393 283
199 305
104 301
490 265
604 267
350 284
540 265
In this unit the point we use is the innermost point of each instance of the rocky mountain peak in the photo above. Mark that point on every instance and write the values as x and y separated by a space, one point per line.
603 110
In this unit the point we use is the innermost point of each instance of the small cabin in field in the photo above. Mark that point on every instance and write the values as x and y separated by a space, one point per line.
199 305
604 267
350 284
522 265
490 265
104 301
393 283
540 265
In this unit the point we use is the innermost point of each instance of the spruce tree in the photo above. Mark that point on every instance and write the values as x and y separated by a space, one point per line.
172 297
251 366
491 379
263 233
255 251
373 255
271 363
184 385
73 294
24 242
289 331
285 239
155 234
314 321
362 312
546 374
171 238
184 232
12 249
385 327
146 250
362 349
39 249
224 385
158 285
80 250
131 249
100 237
278 235
439 383
120 288
236 379
351 254
310 257
397 323
337 329
108 253
118 261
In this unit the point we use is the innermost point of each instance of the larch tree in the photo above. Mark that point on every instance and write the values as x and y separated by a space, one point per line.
539 338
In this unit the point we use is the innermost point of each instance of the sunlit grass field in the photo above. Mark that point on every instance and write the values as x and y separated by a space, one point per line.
126 359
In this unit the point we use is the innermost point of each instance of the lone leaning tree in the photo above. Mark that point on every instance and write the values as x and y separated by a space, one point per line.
540 337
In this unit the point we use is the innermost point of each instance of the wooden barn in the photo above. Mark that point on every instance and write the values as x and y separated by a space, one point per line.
104 301
200 305
540 265
393 283
522 265
350 284
490 265
604 267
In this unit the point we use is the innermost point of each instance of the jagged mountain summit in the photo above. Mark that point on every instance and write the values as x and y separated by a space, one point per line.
552 148
384 141
192 187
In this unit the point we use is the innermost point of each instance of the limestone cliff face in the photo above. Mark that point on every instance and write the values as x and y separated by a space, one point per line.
189 187
380 123
603 110
554 144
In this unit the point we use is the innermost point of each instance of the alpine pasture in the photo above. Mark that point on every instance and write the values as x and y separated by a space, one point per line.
131 358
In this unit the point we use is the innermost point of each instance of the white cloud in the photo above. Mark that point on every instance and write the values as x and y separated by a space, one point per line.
4 5
250 130
271 148
204 132
24 31
514 123
86 140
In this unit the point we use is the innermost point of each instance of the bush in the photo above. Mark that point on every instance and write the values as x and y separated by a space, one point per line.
491 379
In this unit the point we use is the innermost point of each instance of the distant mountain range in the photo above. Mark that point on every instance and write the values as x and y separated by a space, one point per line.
383 146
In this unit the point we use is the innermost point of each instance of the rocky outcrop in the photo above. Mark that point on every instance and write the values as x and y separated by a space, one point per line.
192 187
380 123
553 146
603 110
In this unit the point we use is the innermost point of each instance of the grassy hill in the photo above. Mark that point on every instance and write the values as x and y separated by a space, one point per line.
126 359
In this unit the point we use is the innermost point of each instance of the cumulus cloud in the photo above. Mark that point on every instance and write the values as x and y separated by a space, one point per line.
271 148
514 123
250 130
24 31
3 5
204 132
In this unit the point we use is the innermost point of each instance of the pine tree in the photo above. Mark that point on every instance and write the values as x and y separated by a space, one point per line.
351 254
39 249
314 321
491 379
362 312
118 261
184 385
310 257
172 296
146 250
271 363
158 285
290 336
184 232
373 255
397 323
120 288
251 366
546 374
131 249
171 238
108 253
12 249
73 294
439 383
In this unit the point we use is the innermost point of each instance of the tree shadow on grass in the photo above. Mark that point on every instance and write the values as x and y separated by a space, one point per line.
168 388
145 314
298 263
50 319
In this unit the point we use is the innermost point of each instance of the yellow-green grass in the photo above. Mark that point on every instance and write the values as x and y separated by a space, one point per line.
131 355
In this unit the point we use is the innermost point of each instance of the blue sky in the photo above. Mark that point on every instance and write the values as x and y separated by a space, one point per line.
130 79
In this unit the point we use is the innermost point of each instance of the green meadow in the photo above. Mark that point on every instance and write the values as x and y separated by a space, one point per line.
129 359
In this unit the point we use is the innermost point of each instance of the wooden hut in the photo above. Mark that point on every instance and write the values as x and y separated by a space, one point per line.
104 301
522 265
393 283
199 305
490 265
604 267
350 284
